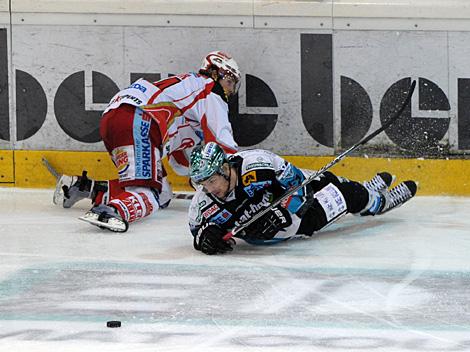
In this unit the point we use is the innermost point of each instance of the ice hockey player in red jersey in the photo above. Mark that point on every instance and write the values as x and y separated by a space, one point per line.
232 189
146 122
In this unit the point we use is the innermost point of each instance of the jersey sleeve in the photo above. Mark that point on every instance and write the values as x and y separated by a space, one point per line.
262 169
195 217
290 176
258 173
216 126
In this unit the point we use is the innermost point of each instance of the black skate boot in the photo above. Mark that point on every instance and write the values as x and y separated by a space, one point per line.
399 195
105 217
383 201
71 189
381 181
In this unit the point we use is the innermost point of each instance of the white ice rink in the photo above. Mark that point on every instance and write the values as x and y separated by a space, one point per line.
400 282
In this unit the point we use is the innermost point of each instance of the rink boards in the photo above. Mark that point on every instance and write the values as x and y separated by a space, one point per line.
435 177
317 78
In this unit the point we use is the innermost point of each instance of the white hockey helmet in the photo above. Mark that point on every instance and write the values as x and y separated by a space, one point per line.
224 64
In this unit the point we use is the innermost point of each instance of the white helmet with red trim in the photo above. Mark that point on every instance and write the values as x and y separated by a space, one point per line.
223 63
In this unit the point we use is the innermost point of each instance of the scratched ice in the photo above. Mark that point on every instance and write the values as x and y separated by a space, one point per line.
399 282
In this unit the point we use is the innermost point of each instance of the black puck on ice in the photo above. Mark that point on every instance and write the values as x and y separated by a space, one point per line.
113 324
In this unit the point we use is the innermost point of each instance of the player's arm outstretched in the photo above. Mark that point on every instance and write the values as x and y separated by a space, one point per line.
233 191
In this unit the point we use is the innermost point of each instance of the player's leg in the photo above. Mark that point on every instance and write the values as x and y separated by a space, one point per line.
133 140
379 199
340 196
166 195
391 199
131 203
334 197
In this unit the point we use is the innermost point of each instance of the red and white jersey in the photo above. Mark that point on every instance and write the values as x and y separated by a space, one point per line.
188 110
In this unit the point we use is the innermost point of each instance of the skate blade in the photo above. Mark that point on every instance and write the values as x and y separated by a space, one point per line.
113 224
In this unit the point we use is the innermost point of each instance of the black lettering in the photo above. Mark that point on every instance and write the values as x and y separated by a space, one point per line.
251 129
316 59
418 134
4 96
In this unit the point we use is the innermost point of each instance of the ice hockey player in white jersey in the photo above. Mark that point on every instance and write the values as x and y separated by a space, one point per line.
146 122
232 189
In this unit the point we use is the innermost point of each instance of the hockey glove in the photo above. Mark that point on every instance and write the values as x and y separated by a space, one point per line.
269 224
209 240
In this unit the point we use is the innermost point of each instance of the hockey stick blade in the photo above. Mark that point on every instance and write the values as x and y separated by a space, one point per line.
396 116
182 195
58 193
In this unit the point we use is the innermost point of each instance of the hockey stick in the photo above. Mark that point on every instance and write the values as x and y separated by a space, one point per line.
56 198
182 195
50 168
57 175
241 227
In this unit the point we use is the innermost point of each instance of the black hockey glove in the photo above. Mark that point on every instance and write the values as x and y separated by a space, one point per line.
209 240
269 224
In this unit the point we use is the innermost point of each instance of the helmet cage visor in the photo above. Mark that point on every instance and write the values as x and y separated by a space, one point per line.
229 76
225 66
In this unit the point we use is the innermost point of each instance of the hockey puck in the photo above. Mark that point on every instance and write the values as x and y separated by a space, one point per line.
113 324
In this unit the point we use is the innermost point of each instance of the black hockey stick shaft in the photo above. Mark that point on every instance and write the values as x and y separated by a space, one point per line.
183 195
396 116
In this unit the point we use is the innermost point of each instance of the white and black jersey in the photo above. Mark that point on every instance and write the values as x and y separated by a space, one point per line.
262 177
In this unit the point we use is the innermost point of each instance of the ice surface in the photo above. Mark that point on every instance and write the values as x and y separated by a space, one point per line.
398 282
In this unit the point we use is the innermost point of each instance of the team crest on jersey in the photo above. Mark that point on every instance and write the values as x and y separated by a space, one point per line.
121 160
249 178
256 186
222 217
212 210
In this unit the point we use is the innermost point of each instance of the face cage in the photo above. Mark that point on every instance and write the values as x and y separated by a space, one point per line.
223 73
200 187
199 180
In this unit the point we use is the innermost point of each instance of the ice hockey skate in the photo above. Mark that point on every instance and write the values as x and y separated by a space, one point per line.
384 200
382 180
71 189
399 195
61 182
105 217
